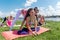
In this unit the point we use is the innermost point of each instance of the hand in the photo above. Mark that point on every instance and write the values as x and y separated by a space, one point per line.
34 33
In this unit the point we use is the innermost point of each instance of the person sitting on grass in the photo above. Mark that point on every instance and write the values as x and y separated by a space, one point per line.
30 19
9 21
40 18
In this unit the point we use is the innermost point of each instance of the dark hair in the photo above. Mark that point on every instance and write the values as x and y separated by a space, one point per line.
36 8
27 14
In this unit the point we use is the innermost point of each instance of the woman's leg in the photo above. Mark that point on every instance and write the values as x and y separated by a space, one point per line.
37 29
23 31
4 20
39 24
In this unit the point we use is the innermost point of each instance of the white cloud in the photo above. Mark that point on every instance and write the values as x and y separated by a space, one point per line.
57 12
13 13
50 10
58 5
21 16
42 11
1 14
57 9
29 2
18 9
46 11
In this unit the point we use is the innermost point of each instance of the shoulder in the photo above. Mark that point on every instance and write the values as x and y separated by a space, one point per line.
28 18
35 18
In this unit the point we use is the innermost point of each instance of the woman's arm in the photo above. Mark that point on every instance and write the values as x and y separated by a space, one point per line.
35 24
27 24
22 24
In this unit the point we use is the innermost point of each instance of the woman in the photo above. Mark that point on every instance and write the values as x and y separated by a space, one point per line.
30 19
9 21
41 21
36 11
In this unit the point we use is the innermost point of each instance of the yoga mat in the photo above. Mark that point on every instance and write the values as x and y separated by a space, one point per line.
10 35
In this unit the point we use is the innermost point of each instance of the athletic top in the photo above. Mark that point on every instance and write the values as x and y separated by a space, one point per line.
9 22
31 22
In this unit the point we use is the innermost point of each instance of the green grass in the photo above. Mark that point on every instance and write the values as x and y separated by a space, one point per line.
53 34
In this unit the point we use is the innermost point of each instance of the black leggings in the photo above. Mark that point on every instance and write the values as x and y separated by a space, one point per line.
4 20
39 24
26 31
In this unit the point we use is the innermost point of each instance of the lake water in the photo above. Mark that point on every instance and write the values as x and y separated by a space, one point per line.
48 19
52 19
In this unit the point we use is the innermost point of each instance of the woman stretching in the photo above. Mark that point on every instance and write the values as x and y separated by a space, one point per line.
30 19
9 21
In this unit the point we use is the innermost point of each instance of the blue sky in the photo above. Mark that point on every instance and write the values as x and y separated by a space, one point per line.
6 6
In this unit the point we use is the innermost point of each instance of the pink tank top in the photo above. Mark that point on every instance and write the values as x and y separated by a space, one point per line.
9 23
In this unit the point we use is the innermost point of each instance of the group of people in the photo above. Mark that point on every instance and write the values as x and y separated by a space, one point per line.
31 18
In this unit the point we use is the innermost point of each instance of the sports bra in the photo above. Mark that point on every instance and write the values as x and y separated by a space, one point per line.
31 22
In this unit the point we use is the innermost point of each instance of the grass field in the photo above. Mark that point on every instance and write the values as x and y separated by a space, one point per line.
53 34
